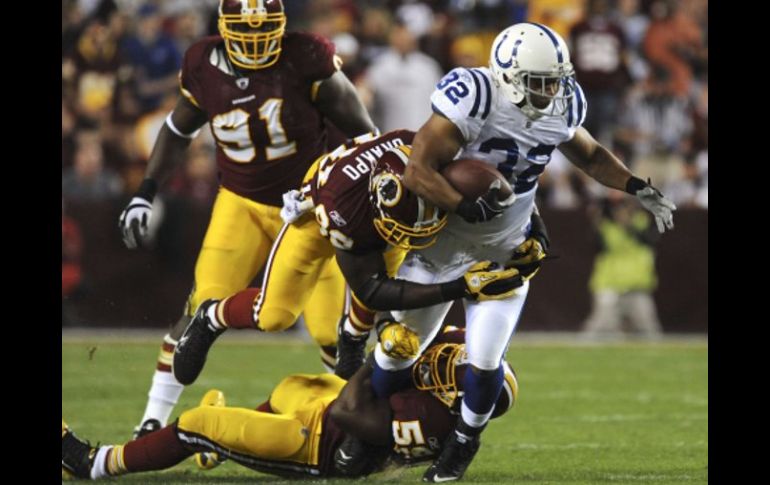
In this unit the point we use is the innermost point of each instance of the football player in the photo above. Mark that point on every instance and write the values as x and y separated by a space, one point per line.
265 94
354 207
512 115
300 429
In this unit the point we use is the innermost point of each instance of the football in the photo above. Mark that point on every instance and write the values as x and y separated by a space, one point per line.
472 178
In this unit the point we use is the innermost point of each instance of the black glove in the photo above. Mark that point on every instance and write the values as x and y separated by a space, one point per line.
354 458
486 207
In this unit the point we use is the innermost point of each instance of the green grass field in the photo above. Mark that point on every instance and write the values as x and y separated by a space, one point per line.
587 414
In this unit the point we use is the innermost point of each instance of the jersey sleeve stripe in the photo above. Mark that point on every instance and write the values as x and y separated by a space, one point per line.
570 116
314 90
187 94
477 101
582 105
488 102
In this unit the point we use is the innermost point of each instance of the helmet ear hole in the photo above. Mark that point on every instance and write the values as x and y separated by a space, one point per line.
402 218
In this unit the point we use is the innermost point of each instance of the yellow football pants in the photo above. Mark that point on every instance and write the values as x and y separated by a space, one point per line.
236 246
293 433
296 279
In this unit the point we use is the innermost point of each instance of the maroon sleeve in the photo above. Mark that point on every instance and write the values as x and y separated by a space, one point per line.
191 76
311 55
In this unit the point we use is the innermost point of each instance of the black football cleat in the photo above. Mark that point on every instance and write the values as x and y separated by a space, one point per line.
351 351
194 344
147 427
455 457
77 456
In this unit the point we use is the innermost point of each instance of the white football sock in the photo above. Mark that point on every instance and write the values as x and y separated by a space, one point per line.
163 396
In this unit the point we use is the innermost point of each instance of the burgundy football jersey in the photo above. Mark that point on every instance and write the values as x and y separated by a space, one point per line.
341 187
420 423
268 130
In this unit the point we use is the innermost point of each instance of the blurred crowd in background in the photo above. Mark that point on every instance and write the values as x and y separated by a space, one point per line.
643 65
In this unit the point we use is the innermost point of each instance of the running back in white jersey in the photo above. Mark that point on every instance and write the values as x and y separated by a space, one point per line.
499 133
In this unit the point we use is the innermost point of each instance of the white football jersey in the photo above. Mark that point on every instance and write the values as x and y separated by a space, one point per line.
499 133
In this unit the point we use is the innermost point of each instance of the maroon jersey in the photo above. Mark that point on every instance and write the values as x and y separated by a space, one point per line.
597 54
331 439
420 425
340 193
268 130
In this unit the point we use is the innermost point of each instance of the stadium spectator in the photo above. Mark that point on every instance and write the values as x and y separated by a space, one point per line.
599 56
624 275
89 179
71 268
401 80
154 57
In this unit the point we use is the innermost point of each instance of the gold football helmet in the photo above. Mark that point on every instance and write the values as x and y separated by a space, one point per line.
252 30
401 217
440 370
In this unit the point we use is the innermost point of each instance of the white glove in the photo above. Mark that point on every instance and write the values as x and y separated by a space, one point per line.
659 206
294 206
134 222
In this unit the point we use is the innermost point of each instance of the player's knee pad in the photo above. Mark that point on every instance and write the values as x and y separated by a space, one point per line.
201 420
275 319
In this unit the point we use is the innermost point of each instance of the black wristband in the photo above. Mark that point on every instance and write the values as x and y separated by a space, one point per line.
635 184
467 210
454 290
147 190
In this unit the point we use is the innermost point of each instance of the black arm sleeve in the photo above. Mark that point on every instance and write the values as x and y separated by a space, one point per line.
367 277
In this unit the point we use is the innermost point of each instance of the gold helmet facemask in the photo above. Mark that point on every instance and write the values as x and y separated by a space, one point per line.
252 30
436 371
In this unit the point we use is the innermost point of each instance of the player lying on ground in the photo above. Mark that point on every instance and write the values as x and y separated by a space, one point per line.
300 429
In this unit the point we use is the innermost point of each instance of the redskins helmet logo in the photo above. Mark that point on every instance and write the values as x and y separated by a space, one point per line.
389 190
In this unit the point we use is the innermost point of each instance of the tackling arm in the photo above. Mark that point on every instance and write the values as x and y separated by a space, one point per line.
367 277
359 413
338 100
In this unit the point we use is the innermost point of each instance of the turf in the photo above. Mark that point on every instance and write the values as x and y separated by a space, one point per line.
587 414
